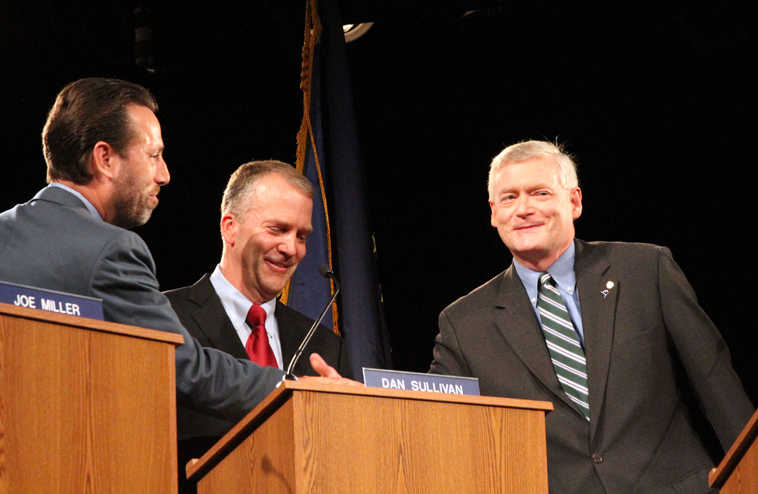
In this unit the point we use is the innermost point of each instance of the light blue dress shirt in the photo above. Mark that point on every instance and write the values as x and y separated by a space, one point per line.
562 271
236 306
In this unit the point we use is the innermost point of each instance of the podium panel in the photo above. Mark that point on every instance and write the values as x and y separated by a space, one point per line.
336 439
85 406
738 471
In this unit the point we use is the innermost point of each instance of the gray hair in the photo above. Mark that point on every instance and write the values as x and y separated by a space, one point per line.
527 150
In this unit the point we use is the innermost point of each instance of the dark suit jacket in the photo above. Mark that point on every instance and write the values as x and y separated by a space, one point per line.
200 310
54 242
641 337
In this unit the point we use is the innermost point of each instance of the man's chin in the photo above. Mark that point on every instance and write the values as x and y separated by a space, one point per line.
134 220
525 248
528 252
275 283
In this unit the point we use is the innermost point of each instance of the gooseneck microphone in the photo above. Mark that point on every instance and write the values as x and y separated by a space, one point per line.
326 273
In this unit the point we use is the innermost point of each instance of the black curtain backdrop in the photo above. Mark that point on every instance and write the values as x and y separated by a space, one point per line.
656 105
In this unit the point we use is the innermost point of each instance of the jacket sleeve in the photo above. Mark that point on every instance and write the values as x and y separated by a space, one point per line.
206 379
447 357
703 353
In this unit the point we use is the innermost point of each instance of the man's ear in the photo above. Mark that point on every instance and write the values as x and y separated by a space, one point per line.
229 228
576 202
492 214
104 161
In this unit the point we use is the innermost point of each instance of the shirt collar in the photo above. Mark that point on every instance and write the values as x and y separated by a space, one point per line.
236 304
79 196
562 271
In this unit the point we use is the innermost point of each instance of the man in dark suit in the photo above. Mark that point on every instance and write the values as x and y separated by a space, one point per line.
611 333
265 220
104 152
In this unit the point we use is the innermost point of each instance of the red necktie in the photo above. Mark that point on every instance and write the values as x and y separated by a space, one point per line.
257 346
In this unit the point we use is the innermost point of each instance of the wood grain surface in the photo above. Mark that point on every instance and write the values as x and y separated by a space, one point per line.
85 410
738 471
322 439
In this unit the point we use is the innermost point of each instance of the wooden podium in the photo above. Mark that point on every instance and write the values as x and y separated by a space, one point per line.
738 471
86 406
310 438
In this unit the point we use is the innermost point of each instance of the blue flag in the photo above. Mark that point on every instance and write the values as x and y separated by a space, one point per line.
328 154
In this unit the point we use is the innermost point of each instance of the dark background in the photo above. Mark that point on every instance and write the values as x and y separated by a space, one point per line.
655 103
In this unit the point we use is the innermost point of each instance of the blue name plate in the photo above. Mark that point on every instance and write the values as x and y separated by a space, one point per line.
51 301
418 381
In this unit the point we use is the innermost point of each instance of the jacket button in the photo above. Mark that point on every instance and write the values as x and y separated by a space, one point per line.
597 458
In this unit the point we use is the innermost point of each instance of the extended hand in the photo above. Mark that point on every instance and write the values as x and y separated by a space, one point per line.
327 373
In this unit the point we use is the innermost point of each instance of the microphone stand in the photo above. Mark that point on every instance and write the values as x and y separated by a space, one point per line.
326 273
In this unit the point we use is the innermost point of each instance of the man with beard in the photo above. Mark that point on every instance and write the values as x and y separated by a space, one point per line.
104 152
265 220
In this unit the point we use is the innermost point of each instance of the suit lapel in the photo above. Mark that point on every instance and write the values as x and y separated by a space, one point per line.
520 327
598 306
209 314
289 338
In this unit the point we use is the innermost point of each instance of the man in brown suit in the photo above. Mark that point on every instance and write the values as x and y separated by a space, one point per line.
610 332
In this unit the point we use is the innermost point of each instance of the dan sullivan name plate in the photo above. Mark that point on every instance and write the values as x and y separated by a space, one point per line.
418 381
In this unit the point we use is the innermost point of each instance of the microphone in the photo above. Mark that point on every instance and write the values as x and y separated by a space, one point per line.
326 273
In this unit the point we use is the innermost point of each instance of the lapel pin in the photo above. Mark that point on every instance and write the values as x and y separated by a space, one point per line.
608 286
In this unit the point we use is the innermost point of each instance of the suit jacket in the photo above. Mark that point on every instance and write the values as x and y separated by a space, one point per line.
200 310
54 242
646 340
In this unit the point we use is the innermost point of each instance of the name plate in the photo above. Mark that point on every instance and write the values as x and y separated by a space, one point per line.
51 301
418 381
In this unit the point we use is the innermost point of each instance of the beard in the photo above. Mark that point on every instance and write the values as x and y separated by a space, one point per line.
132 202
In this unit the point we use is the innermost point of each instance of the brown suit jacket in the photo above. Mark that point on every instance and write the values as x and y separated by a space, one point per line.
646 341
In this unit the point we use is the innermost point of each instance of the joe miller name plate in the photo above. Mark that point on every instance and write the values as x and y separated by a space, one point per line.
51 301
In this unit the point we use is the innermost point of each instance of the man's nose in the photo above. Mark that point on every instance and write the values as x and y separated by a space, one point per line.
523 205
162 175
288 244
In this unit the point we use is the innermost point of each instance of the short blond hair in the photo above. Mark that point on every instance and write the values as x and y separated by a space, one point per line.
527 150
244 177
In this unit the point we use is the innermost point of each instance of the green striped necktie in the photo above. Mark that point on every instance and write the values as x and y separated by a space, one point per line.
564 347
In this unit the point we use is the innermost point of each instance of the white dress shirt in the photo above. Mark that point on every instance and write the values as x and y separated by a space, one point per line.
237 306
